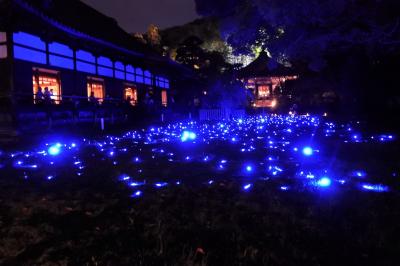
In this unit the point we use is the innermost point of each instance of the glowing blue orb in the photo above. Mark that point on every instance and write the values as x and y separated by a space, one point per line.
308 151
375 188
359 174
188 135
159 185
55 149
137 194
247 187
324 182
249 168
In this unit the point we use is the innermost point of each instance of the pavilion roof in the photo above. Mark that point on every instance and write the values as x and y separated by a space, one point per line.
260 67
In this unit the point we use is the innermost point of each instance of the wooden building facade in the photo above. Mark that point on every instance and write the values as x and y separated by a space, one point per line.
66 50
264 83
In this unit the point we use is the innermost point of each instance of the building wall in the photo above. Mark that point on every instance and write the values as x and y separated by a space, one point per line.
32 52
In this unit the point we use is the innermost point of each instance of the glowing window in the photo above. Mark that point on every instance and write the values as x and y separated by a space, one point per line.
95 90
86 67
119 70
29 40
104 61
162 82
164 98
130 69
130 73
46 87
29 55
139 75
3 45
105 67
3 51
119 74
60 49
131 93
119 66
85 56
3 37
105 71
147 78
61 61
85 62
130 77
263 92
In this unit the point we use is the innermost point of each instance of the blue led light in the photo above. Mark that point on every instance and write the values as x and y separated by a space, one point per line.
375 188
135 184
324 182
359 173
159 185
54 150
137 194
249 168
188 135
247 187
308 151
266 145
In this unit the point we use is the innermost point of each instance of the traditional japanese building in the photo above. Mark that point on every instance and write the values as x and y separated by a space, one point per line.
264 82
72 50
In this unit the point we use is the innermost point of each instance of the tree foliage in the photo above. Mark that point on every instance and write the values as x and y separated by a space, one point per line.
307 29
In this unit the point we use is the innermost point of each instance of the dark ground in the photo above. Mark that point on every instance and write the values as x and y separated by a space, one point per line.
92 220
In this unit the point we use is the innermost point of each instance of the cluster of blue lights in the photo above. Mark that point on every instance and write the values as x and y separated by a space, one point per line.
285 150
308 151
188 136
324 182
55 149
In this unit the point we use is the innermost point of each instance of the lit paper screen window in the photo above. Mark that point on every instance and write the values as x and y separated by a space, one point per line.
3 45
130 73
3 37
131 93
29 47
263 92
164 98
29 40
139 75
61 55
3 51
147 78
96 88
119 70
162 82
29 55
85 62
46 88
105 67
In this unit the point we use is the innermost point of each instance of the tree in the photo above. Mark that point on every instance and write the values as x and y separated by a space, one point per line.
307 29
153 35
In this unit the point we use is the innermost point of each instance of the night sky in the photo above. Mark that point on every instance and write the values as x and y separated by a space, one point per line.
136 15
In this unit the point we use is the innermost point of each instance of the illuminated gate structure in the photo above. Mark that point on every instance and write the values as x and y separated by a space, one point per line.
264 83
